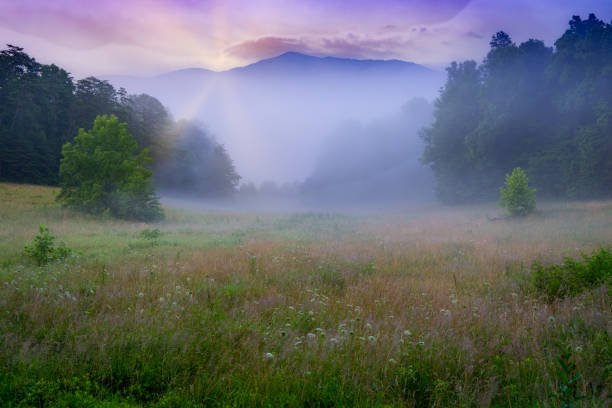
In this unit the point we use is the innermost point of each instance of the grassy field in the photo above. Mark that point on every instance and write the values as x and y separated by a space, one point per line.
428 308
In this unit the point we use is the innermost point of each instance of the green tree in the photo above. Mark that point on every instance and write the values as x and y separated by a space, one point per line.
102 171
517 197
457 112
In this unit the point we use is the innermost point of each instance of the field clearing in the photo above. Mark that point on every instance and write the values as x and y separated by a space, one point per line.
422 308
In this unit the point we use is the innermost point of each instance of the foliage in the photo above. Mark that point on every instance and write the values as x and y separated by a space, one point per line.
573 276
42 108
196 164
150 234
548 111
101 171
517 197
35 103
43 248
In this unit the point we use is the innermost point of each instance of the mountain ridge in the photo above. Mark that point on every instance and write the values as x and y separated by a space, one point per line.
290 59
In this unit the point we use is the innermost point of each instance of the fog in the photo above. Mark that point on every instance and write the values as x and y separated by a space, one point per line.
307 131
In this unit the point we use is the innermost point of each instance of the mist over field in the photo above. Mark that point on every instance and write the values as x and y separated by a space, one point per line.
289 119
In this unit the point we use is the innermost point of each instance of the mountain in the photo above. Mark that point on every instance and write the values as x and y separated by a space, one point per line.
295 63
275 115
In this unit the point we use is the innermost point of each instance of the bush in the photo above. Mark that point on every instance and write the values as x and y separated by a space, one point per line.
43 248
573 276
517 197
101 172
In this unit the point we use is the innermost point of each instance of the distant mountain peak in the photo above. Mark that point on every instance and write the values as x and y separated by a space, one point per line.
292 62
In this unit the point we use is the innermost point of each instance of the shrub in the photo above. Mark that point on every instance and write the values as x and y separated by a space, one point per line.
43 248
101 172
573 276
149 234
517 197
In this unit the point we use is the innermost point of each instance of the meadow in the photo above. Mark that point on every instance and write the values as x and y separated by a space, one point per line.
431 307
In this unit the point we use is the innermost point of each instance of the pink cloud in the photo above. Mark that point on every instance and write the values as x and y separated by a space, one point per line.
349 46
267 47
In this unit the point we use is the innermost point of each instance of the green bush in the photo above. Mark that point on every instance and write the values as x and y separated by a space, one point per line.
573 276
150 234
43 248
517 197
101 172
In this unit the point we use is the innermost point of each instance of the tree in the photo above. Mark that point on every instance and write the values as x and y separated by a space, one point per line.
517 197
101 171
197 165
457 112
546 110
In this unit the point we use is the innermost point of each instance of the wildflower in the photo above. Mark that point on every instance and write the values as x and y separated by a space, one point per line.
372 339
269 356
357 309
551 319
297 343
291 308
368 326
421 343
578 349
283 333
311 335
140 294
407 332
318 329
361 338
310 312
392 361
334 340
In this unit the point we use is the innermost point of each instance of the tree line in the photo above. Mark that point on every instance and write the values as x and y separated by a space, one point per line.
546 110
42 108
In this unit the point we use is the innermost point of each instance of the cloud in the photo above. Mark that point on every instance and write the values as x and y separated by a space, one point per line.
348 46
353 46
472 34
267 47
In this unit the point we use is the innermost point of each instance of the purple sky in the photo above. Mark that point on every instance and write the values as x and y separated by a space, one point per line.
144 37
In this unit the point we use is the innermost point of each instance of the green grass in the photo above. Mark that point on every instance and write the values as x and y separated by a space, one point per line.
429 308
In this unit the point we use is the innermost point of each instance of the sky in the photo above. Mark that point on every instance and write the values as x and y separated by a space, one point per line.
148 37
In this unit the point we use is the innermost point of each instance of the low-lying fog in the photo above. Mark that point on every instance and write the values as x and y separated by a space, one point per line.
307 132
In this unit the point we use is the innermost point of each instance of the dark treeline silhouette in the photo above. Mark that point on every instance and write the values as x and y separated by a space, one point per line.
546 110
42 108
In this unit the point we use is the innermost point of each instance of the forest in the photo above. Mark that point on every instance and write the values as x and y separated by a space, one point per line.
42 108
546 110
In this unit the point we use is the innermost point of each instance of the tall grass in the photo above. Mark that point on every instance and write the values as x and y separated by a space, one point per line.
416 309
